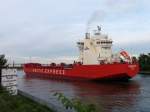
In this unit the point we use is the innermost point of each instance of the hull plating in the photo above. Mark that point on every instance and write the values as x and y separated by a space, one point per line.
84 72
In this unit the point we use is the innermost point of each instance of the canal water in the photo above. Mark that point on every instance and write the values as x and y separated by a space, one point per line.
132 96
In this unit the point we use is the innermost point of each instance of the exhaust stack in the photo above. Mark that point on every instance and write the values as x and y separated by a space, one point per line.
87 35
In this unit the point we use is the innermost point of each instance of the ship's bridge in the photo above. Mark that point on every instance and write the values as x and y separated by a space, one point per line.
95 49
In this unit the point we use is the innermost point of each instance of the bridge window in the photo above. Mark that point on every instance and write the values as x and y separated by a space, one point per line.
80 43
98 42
106 42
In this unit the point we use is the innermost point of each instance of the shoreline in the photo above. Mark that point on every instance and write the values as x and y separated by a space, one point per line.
20 102
144 72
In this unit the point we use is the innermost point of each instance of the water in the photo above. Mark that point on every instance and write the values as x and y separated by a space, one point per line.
132 96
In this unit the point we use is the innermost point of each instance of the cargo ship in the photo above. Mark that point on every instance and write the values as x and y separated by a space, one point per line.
96 61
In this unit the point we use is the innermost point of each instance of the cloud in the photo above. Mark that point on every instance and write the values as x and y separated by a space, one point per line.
46 28
42 40
122 5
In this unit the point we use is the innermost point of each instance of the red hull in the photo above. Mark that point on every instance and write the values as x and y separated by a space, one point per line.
89 72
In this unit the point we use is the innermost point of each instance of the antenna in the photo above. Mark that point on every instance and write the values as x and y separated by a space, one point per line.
99 28
97 32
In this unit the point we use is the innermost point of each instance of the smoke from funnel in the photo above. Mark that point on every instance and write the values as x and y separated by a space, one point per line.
96 18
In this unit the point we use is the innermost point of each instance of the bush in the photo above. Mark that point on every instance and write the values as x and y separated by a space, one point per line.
75 104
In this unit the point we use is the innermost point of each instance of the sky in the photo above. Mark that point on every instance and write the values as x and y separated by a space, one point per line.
49 29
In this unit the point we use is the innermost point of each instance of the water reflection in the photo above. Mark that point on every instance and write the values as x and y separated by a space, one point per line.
109 97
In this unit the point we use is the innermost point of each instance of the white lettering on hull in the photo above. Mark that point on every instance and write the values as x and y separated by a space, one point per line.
49 71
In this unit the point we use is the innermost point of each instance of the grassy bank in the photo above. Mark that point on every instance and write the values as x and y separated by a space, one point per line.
19 103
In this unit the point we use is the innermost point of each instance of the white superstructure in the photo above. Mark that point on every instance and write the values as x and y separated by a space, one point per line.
95 49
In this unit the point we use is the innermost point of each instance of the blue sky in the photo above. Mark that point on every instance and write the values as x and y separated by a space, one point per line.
50 28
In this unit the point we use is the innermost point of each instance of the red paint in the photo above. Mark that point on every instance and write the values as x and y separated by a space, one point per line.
89 72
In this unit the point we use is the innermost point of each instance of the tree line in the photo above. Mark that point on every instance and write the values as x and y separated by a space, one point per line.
144 61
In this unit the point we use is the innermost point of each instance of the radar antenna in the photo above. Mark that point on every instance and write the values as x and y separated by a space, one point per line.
99 28
97 32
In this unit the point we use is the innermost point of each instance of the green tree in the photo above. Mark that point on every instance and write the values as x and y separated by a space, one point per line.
3 63
144 61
